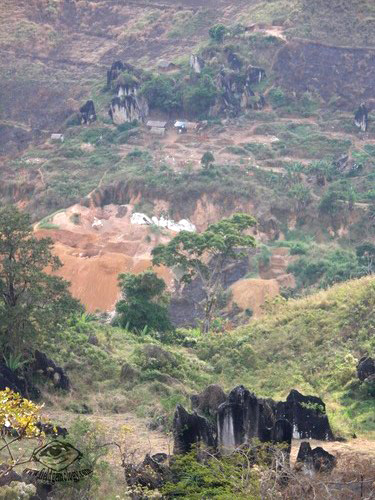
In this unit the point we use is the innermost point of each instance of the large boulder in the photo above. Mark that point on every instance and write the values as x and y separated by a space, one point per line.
209 400
317 459
190 429
18 382
361 118
128 108
88 114
45 366
151 473
196 64
307 415
365 368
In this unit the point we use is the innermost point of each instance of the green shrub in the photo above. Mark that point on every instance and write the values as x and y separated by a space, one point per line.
162 92
217 33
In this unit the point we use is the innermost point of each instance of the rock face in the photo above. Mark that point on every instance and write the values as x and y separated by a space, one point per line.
196 64
208 401
17 383
361 118
235 91
242 417
307 414
190 429
316 459
127 106
55 373
365 368
88 114
151 473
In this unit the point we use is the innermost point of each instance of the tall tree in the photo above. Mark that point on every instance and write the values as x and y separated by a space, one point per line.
204 255
144 302
32 302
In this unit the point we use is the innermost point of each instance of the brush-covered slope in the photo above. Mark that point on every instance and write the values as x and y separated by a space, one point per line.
310 344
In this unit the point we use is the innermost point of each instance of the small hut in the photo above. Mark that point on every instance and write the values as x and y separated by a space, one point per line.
156 127
57 138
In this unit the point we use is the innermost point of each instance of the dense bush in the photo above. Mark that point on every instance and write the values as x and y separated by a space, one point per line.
161 92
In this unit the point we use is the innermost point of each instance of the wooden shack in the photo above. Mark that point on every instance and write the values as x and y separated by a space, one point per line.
157 127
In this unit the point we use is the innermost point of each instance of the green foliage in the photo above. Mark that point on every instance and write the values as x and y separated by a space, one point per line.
199 96
207 159
218 32
31 301
144 302
204 255
162 93
220 478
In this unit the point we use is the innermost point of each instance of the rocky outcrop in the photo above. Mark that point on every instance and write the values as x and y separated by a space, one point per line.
316 459
18 382
47 367
307 414
196 64
128 108
241 417
189 430
88 114
235 91
244 417
209 400
151 473
361 118
366 368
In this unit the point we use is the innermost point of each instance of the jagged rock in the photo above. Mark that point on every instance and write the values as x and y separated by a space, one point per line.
153 351
43 364
88 114
128 108
21 384
341 163
152 473
93 339
361 118
316 459
190 429
208 401
365 368
116 69
307 415
196 63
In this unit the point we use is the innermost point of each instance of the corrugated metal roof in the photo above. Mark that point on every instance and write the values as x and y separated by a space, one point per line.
156 124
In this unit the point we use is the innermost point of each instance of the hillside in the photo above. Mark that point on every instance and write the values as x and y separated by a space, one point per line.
311 344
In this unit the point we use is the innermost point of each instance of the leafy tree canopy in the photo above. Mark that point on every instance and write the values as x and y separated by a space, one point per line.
204 255
144 302
32 302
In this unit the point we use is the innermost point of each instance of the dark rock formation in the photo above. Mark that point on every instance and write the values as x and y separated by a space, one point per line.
190 429
234 61
235 91
242 416
361 118
117 68
88 114
365 368
18 383
152 473
307 415
316 459
47 367
208 401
